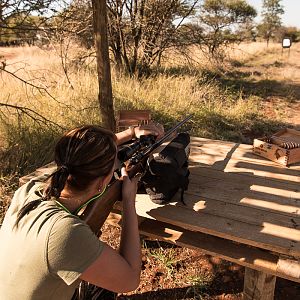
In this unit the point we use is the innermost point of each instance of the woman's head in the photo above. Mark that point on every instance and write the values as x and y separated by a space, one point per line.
82 155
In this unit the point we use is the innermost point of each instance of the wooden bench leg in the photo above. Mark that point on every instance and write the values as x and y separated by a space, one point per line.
258 285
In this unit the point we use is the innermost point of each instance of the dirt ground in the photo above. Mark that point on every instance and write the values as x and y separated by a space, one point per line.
171 272
274 76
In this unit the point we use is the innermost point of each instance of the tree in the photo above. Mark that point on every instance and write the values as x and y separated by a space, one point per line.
75 22
60 19
23 19
219 22
271 22
141 30
292 32
103 64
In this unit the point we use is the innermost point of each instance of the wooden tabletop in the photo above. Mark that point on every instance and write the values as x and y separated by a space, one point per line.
236 195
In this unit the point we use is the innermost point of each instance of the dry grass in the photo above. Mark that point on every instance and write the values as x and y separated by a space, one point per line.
182 88
224 106
277 64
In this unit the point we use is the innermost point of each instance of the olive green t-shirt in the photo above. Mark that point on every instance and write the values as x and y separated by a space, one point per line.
45 255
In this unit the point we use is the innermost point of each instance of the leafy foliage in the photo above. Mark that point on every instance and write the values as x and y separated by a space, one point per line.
271 13
219 24
20 21
140 31
291 32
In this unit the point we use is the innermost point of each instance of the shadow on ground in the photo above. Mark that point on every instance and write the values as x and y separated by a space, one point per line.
241 81
202 289
284 290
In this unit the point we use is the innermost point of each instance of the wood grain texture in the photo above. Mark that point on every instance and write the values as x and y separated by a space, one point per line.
244 255
266 235
258 285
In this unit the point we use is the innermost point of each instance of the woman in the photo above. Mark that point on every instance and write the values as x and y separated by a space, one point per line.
46 250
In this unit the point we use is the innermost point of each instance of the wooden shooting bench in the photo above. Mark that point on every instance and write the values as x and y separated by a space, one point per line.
239 207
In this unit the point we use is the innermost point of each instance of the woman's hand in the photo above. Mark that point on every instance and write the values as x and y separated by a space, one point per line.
129 187
123 267
155 129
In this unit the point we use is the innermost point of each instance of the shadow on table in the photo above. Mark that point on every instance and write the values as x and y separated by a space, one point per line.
239 198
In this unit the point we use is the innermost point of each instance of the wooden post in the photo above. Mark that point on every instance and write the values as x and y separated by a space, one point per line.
103 65
258 285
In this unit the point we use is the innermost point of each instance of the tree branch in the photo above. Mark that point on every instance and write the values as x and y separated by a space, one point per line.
31 114
39 88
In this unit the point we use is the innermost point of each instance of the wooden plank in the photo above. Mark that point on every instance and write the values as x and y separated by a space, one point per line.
247 154
218 208
40 171
271 172
246 150
237 215
240 201
264 189
210 155
205 141
209 172
246 166
246 214
231 157
277 204
266 236
290 267
252 195
288 211
220 158
258 285
237 253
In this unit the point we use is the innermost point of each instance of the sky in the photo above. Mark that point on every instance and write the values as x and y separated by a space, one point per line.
291 8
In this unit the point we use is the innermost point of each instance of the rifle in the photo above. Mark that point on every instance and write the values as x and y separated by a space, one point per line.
136 156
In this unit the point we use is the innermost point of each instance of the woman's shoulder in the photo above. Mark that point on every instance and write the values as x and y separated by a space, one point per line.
71 241
29 190
67 226
24 194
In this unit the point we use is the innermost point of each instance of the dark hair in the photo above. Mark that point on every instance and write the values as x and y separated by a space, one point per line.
82 155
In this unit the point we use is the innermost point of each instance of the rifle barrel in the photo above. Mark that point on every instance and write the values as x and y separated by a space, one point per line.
168 133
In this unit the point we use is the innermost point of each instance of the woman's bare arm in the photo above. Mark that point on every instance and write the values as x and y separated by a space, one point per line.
120 271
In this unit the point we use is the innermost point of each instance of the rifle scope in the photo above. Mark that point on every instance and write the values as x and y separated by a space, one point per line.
129 150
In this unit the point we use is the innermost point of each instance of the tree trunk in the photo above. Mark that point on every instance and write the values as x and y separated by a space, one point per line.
103 65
